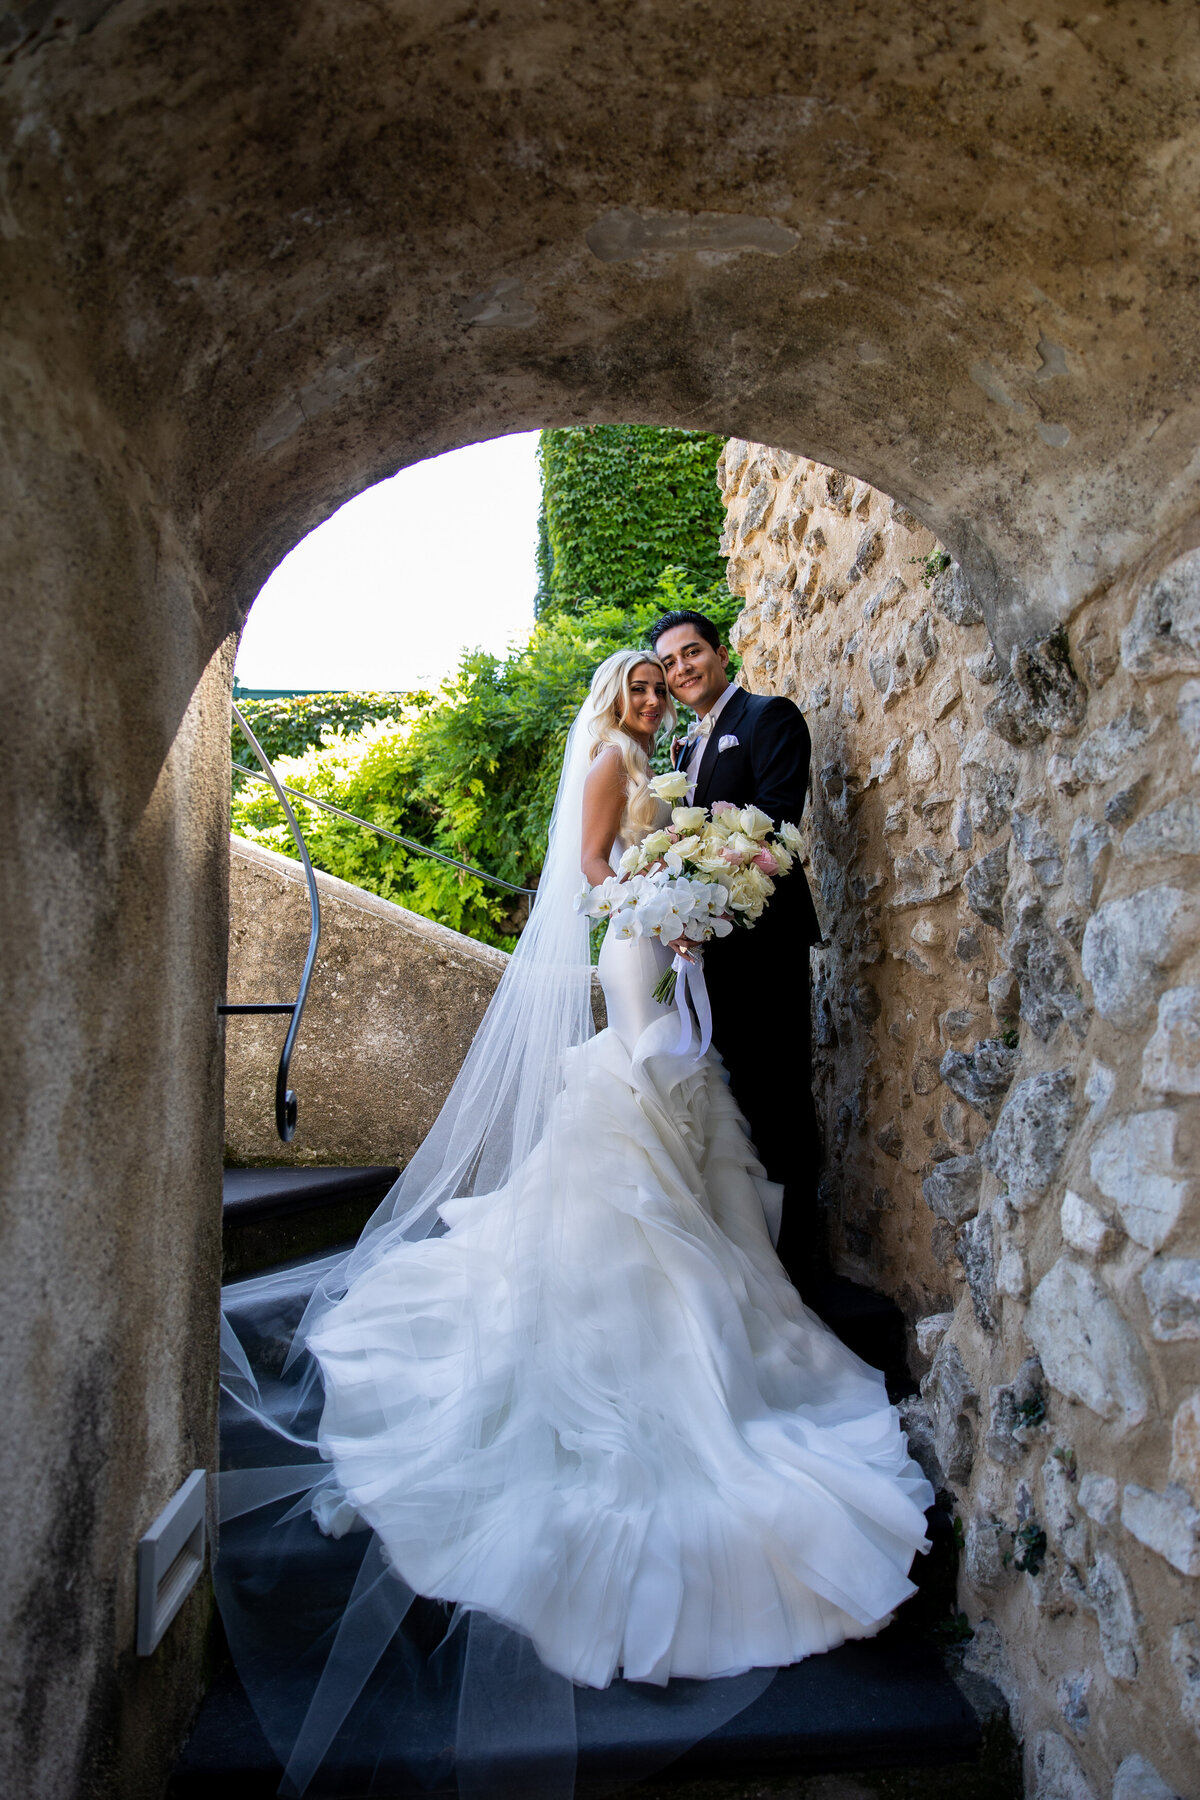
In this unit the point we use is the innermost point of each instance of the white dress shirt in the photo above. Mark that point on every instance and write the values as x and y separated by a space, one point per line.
694 755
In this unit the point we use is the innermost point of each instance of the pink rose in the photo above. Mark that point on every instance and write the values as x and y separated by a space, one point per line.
672 834
734 858
722 806
766 862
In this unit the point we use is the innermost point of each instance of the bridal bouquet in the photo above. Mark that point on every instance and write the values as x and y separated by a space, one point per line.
699 877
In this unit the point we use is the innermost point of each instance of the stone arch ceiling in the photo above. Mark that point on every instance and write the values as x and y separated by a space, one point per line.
282 250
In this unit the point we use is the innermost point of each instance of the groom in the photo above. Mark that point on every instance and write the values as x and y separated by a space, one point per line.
754 750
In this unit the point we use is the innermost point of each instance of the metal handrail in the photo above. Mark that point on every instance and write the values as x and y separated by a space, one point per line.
379 830
285 1099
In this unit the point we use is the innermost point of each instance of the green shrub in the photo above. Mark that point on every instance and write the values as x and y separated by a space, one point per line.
288 726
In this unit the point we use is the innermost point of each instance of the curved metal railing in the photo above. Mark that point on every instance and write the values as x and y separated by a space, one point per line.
285 1100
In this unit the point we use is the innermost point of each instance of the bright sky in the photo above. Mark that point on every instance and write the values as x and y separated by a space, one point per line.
390 590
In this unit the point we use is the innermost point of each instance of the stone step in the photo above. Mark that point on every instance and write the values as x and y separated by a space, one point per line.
870 1323
275 1214
888 1704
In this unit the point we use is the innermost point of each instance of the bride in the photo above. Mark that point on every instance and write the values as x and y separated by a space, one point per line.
563 1378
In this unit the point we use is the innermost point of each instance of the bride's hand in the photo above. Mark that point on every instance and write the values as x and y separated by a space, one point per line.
685 948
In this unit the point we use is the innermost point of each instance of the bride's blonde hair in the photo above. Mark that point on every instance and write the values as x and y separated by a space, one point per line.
611 696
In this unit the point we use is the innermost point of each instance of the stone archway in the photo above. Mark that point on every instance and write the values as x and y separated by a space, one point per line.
255 259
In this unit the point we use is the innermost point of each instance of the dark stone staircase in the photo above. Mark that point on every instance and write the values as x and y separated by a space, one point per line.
883 1717
277 1215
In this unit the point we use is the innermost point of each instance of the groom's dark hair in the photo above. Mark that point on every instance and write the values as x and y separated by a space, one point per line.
684 616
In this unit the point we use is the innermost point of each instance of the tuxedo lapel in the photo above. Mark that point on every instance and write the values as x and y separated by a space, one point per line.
725 726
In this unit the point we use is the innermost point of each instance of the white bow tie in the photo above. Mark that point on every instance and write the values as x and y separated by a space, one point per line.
701 729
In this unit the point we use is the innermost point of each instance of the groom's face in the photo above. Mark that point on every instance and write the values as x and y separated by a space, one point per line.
695 671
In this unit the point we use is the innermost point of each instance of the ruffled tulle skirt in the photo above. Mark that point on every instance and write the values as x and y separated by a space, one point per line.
596 1410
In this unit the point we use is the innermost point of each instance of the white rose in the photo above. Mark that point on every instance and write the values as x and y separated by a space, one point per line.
630 860
657 844
671 786
689 818
754 823
791 838
783 857
741 891
711 862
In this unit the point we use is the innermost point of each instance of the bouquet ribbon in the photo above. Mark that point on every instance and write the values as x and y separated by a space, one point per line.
691 975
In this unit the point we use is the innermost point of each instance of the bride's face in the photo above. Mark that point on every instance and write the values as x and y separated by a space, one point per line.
647 704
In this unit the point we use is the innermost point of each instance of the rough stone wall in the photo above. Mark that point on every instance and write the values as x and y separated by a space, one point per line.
394 1003
1007 1023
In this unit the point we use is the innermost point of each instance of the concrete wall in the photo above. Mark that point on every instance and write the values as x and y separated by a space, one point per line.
392 1009
251 262
1006 854
113 725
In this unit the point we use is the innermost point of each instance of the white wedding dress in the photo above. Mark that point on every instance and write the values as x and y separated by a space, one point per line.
678 1470
564 1379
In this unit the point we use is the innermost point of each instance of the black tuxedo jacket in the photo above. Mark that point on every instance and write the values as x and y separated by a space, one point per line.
766 767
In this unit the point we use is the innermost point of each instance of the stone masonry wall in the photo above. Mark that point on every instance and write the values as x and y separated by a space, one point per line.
1007 1027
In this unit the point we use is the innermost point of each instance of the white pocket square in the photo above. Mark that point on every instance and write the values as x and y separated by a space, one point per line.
726 743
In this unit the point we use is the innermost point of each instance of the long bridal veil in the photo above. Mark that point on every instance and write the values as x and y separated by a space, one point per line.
345 1667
